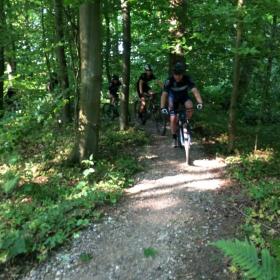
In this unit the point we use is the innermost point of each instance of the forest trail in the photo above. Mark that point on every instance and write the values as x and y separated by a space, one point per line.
160 229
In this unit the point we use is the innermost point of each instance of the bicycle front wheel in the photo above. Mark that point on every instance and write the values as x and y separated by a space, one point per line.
187 144
184 141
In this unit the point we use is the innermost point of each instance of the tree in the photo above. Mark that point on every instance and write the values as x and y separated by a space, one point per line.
126 64
44 43
236 80
61 57
177 31
2 63
91 60
108 40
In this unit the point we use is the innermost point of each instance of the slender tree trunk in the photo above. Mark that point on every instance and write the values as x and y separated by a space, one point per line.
177 31
73 18
10 49
61 57
2 64
126 64
236 79
246 71
48 64
115 43
108 41
91 78
264 109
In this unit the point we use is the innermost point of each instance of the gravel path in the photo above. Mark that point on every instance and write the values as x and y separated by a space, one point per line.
173 212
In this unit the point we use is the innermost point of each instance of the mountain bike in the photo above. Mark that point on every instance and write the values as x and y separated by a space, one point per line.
152 111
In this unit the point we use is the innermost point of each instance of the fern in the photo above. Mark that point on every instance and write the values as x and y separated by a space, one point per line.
245 255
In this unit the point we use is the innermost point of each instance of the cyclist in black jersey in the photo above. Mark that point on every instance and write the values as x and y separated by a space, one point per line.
176 92
143 89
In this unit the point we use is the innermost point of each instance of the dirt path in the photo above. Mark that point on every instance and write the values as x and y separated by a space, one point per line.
175 210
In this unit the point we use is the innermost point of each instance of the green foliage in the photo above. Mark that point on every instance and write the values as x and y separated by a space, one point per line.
9 182
259 174
45 209
150 252
85 257
245 255
113 140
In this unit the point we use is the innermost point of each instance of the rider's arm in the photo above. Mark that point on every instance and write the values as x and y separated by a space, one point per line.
141 82
197 95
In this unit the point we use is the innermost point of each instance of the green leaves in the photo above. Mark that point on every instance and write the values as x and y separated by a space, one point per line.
11 245
245 255
9 182
85 257
150 252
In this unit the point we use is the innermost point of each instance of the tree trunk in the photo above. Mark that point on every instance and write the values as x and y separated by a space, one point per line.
236 79
108 41
74 51
61 57
2 64
115 43
264 109
91 78
48 64
177 31
126 64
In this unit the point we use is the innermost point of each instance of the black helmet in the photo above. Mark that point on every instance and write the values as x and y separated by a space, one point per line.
148 67
179 68
115 77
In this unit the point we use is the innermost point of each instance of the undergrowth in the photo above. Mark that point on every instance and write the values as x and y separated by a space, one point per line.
258 257
257 174
44 202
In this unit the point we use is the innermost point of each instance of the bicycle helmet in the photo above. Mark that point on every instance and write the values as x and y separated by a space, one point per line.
148 67
179 68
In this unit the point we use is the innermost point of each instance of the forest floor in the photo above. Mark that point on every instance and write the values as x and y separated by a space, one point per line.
162 227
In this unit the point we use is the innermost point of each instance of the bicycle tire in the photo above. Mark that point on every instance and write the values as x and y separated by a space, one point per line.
180 136
187 143
184 141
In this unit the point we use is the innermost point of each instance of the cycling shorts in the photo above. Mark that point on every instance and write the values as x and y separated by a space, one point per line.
174 100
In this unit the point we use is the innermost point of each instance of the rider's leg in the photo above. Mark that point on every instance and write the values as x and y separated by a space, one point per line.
142 104
173 118
163 99
173 128
151 94
112 99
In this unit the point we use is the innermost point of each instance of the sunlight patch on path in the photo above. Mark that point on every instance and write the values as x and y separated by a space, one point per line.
202 176
209 163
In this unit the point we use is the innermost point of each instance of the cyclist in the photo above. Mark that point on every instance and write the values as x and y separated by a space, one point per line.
176 90
114 88
143 88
